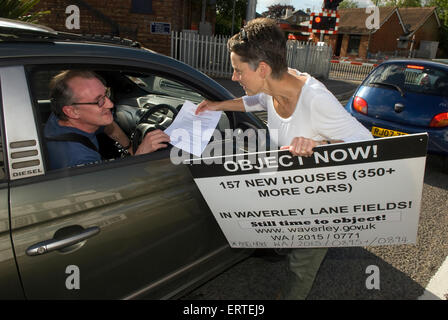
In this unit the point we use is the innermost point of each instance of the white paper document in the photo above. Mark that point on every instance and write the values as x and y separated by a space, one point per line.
191 132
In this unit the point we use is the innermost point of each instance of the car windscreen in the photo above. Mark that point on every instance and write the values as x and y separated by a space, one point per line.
162 86
410 78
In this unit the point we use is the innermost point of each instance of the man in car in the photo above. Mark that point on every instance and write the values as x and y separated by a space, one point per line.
81 109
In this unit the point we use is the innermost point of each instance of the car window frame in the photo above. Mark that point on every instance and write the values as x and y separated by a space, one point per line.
112 65
4 180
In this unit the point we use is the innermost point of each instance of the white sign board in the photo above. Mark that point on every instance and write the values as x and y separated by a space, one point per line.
353 194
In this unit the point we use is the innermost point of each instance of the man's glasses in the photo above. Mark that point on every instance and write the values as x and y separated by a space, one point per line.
101 101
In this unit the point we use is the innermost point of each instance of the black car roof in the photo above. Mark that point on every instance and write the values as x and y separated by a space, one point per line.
18 31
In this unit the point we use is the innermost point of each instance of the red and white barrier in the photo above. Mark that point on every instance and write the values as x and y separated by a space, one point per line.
357 63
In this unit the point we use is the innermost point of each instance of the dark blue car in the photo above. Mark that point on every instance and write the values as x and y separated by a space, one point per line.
402 97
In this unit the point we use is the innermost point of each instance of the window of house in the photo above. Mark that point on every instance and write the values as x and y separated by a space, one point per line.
141 6
353 45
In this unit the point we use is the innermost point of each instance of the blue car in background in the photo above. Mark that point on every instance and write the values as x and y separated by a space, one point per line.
405 96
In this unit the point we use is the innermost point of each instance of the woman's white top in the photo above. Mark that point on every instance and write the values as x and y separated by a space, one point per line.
318 115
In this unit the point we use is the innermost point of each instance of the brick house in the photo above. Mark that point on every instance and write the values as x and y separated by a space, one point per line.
422 25
147 21
292 25
355 40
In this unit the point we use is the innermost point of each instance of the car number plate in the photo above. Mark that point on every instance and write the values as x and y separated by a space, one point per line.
381 132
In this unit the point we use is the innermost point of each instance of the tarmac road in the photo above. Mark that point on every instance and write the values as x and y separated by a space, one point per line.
405 270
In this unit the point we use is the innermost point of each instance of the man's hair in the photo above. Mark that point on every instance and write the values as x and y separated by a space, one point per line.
261 40
60 92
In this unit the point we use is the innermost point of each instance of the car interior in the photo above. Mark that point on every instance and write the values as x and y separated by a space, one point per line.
142 102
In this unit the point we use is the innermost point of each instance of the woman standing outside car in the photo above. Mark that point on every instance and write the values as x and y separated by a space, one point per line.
302 114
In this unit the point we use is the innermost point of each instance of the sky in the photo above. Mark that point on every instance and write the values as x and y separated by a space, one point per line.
314 5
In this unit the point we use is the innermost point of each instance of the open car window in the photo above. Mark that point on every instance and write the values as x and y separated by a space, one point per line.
135 95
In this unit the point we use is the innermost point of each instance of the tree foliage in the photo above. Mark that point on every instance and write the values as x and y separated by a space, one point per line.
277 11
442 10
224 13
400 3
20 10
348 4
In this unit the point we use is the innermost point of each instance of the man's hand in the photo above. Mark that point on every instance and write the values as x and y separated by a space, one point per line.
153 141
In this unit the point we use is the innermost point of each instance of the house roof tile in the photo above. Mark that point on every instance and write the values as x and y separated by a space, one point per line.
353 20
414 18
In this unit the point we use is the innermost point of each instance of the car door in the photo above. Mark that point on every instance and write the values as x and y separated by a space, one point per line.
142 227
10 287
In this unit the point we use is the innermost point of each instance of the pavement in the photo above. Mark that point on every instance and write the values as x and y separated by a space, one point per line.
342 89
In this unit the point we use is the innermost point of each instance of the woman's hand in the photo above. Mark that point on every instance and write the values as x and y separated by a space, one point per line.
302 147
206 105
227 105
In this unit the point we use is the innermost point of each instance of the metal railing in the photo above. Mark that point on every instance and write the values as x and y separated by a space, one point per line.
209 54
348 71
309 57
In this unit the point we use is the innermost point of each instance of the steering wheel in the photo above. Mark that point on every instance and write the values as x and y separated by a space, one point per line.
145 125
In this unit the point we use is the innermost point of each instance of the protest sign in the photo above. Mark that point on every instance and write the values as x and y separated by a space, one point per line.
365 193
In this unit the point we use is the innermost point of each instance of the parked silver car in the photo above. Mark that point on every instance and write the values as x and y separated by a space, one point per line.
134 227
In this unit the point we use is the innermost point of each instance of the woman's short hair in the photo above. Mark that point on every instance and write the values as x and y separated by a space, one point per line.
60 92
261 40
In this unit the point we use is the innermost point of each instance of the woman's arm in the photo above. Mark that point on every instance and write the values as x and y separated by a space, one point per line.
227 105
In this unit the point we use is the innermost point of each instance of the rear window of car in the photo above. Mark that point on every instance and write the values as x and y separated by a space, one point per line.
411 78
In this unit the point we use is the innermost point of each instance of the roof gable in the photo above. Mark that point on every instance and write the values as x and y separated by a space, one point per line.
297 17
353 20
414 18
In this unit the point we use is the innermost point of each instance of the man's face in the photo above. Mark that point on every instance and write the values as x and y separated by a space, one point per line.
249 79
90 116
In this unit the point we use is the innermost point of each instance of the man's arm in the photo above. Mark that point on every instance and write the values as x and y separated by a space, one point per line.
114 132
153 141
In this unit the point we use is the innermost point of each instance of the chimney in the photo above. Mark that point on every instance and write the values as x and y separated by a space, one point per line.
288 13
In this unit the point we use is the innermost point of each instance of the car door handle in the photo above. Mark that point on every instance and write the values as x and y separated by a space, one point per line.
398 107
58 243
